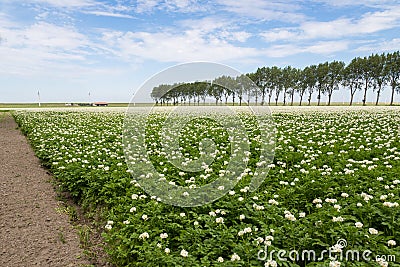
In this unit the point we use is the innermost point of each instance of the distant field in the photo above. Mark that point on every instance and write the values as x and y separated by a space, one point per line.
50 105
62 105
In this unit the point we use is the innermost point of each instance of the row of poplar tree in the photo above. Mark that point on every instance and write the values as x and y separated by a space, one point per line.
267 84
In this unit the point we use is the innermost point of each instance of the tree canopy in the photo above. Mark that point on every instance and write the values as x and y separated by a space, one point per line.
374 72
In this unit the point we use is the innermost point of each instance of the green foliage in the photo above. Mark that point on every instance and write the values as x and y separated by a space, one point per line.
369 73
331 170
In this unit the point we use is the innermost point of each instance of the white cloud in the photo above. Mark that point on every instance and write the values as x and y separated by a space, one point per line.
206 24
179 4
67 3
368 3
170 5
369 23
254 9
42 47
175 47
217 27
264 10
326 48
344 27
278 51
240 36
85 6
146 5
51 37
191 45
5 21
109 14
280 34
221 37
381 46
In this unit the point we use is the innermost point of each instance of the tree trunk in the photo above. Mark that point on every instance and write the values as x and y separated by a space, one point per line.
269 99
276 98
263 98
309 98
365 96
365 93
284 98
329 99
392 98
301 98
319 96
351 97
291 101
351 94
378 94
233 99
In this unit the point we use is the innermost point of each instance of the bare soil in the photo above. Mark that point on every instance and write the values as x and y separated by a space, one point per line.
33 229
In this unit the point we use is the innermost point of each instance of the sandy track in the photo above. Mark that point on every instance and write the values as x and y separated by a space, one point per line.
32 231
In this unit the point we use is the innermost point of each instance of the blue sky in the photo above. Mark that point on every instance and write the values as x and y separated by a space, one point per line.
67 48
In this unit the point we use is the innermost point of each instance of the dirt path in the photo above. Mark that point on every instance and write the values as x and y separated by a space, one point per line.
32 231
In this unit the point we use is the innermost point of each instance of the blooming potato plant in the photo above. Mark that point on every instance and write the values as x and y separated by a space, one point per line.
335 176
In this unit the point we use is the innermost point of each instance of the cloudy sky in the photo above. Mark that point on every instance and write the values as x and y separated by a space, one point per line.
68 48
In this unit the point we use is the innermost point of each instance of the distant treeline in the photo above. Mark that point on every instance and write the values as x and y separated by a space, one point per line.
374 72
